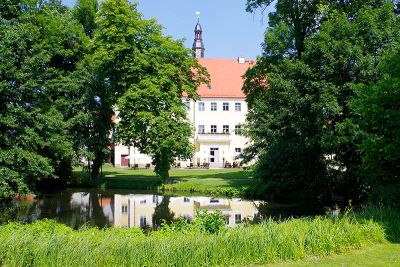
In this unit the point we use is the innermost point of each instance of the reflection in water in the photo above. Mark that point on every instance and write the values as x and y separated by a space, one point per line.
123 210
148 210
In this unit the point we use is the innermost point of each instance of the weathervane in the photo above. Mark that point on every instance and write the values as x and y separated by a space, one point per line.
198 15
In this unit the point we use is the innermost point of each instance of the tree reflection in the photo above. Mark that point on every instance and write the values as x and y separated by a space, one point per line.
162 213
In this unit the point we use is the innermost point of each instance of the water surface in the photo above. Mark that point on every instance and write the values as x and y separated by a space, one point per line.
124 208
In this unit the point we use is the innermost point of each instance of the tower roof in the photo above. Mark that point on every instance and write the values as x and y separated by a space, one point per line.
198 46
198 26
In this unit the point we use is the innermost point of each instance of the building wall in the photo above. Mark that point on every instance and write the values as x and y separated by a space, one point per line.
225 143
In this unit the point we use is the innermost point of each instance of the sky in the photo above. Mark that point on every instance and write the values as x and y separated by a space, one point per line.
228 30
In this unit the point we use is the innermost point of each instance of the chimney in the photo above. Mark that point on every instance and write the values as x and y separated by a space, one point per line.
241 60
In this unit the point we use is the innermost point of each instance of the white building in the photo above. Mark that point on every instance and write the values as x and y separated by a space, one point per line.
217 117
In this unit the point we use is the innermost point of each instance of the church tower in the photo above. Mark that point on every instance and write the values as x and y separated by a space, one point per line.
198 46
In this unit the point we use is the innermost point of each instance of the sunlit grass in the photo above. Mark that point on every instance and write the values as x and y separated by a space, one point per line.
228 182
46 243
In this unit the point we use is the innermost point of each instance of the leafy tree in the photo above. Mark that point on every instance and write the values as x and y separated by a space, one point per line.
85 12
299 105
378 117
149 73
9 9
38 52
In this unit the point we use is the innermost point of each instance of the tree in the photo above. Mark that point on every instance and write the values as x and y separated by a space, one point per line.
377 114
146 74
39 51
85 12
299 106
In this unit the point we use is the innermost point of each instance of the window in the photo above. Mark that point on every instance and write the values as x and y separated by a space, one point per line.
142 222
225 106
238 149
187 104
201 106
186 199
214 200
226 219
187 217
201 129
225 128
213 128
213 106
143 201
238 218
155 199
238 129
124 209
238 106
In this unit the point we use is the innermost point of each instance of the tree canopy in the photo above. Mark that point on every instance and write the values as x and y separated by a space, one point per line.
65 72
148 73
299 95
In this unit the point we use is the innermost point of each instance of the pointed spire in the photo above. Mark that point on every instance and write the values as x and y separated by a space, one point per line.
198 46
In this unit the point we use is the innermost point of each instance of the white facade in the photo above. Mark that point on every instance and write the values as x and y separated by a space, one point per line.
217 140
218 123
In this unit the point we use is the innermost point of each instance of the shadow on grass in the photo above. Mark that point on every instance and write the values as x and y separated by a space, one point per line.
205 181
388 217
179 174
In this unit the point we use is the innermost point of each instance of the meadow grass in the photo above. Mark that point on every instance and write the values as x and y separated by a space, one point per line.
380 255
47 243
226 182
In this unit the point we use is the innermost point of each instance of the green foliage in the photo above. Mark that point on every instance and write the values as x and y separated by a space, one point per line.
377 107
204 222
39 51
85 12
388 218
150 73
300 119
48 243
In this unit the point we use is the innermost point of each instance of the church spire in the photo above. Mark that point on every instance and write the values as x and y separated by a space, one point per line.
198 46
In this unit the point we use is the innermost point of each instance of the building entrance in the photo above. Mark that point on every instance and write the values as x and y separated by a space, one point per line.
214 157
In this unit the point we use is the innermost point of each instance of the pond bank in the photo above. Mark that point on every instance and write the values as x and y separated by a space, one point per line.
222 182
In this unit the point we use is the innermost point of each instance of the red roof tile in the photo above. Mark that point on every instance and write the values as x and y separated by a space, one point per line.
226 77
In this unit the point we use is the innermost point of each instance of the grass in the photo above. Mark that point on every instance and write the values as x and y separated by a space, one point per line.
47 243
385 255
230 182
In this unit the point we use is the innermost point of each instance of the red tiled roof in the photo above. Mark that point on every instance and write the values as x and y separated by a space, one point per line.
226 77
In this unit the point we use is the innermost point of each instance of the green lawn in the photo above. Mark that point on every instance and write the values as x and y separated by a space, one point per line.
233 182
386 255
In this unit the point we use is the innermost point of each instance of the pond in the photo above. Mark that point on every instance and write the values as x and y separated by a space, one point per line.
123 208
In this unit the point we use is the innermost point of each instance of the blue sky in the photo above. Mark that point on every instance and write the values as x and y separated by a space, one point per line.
228 30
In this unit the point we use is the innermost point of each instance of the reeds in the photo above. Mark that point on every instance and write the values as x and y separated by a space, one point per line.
47 243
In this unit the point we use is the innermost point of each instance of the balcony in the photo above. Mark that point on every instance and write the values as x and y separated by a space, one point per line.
214 137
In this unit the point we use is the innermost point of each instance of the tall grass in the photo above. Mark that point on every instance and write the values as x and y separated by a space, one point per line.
47 243
387 217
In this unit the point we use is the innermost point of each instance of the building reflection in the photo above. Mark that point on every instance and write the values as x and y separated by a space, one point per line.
141 210
123 210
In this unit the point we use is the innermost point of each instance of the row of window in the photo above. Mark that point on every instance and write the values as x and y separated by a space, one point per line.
225 129
225 106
